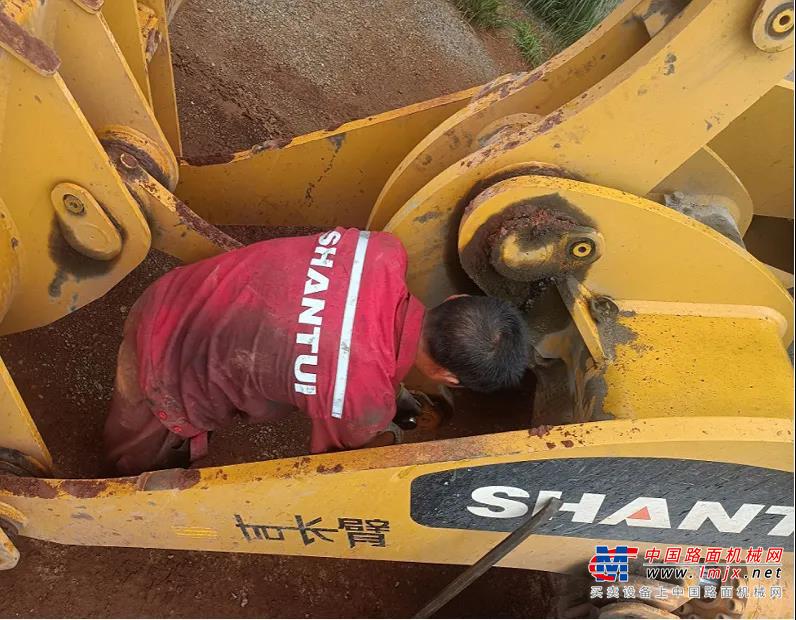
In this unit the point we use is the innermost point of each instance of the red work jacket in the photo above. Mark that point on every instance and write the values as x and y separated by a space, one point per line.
322 323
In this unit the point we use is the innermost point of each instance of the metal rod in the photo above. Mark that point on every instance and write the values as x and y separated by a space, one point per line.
494 555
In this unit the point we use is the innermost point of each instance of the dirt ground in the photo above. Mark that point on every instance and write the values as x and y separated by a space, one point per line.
254 70
249 71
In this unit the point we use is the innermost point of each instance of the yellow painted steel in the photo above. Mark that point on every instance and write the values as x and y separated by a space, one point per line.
783 276
175 228
155 77
19 432
558 81
9 555
651 252
326 178
122 18
577 297
600 134
161 81
605 136
83 223
654 100
705 174
54 279
571 74
758 146
688 360
9 260
182 509
91 57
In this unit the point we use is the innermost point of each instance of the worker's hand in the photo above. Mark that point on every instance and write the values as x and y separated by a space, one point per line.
408 409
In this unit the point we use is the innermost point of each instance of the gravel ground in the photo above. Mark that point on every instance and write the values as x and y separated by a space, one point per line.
253 70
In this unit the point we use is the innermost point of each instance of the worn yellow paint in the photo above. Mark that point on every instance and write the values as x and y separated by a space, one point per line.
90 55
576 297
772 29
629 132
9 261
706 175
175 229
154 77
161 82
371 484
122 18
18 431
560 80
618 108
50 286
650 252
326 178
758 146
9 554
83 223
683 360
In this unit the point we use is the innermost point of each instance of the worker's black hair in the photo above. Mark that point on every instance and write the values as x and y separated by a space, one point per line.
482 340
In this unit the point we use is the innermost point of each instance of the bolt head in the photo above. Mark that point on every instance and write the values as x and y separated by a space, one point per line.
74 205
582 248
782 21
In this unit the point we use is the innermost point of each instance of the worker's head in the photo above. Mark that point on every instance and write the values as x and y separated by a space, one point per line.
476 342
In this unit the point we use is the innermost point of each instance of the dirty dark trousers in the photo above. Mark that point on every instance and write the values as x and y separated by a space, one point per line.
135 439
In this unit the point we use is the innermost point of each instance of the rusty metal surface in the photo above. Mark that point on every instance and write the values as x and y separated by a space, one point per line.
175 228
32 51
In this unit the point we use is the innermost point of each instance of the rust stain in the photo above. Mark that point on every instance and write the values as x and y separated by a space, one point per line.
168 479
567 443
329 470
499 83
116 147
204 228
23 44
531 78
550 121
550 445
83 488
28 487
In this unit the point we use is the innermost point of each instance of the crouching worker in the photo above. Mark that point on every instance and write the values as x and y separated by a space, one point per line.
323 324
